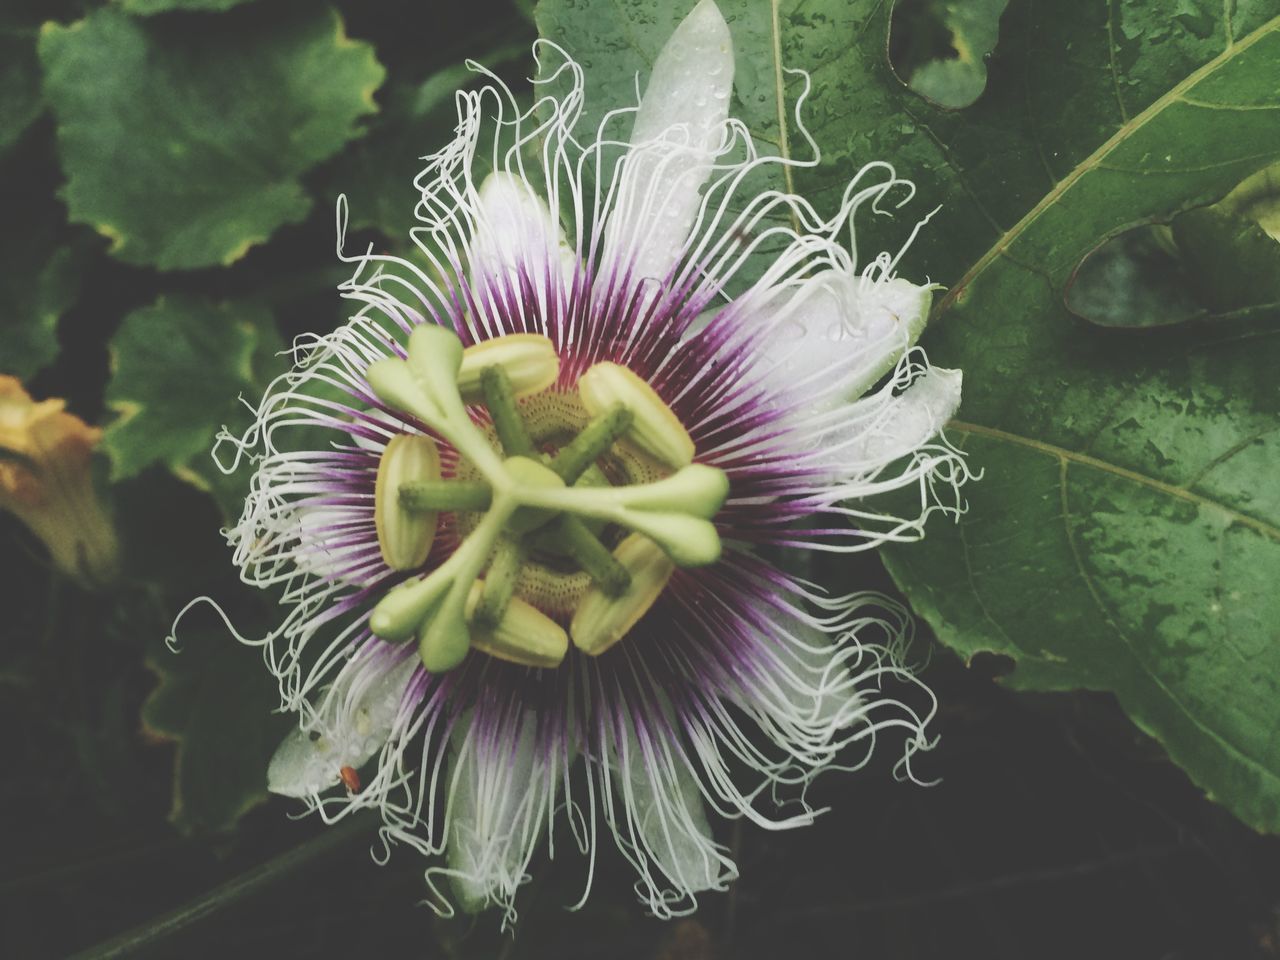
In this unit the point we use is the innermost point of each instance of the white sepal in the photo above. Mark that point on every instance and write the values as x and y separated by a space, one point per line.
678 131
345 732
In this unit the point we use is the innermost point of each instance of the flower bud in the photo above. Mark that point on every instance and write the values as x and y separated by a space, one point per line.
45 481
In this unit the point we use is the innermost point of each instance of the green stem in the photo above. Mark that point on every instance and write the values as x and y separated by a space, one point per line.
150 936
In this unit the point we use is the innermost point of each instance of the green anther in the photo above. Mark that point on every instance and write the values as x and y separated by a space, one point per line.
429 495
499 584
593 556
500 398
588 446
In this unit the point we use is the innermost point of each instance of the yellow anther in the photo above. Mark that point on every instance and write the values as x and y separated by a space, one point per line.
600 620
654 428
524 635
529 359
404 536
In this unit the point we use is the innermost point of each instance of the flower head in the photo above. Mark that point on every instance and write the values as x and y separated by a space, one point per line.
45 481
532 579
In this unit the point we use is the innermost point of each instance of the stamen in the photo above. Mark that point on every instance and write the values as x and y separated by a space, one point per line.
655 428
529 360
524 635
404 535
587 447
520 493
500 398
600 620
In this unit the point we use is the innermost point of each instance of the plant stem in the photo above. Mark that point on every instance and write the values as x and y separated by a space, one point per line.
153 933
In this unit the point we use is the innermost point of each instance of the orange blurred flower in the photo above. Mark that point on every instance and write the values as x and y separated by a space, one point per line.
45 481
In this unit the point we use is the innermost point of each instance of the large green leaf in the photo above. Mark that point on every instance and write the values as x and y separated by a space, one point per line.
1125 535
179 370
184 146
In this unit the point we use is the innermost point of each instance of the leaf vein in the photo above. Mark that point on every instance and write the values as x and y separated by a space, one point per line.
1181 493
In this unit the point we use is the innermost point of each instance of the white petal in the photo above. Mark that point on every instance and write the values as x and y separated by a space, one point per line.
838 334
347 730
515 229
670 821
496 810
678 129
915 416
824 696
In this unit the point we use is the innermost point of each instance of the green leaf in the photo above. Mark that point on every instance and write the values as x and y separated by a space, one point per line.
216 701
1137 279
1206 265
41 279
33 301
148 7
20 101
1124 536
184 146
179 369
965 31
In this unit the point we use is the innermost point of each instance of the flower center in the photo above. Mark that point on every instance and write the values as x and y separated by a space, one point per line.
577 505
553 577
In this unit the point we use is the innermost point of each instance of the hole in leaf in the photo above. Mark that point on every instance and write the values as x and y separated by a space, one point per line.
939 48
1210 263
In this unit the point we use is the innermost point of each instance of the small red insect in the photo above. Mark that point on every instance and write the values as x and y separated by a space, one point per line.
350 778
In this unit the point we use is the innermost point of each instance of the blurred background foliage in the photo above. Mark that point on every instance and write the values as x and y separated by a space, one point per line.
169 170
